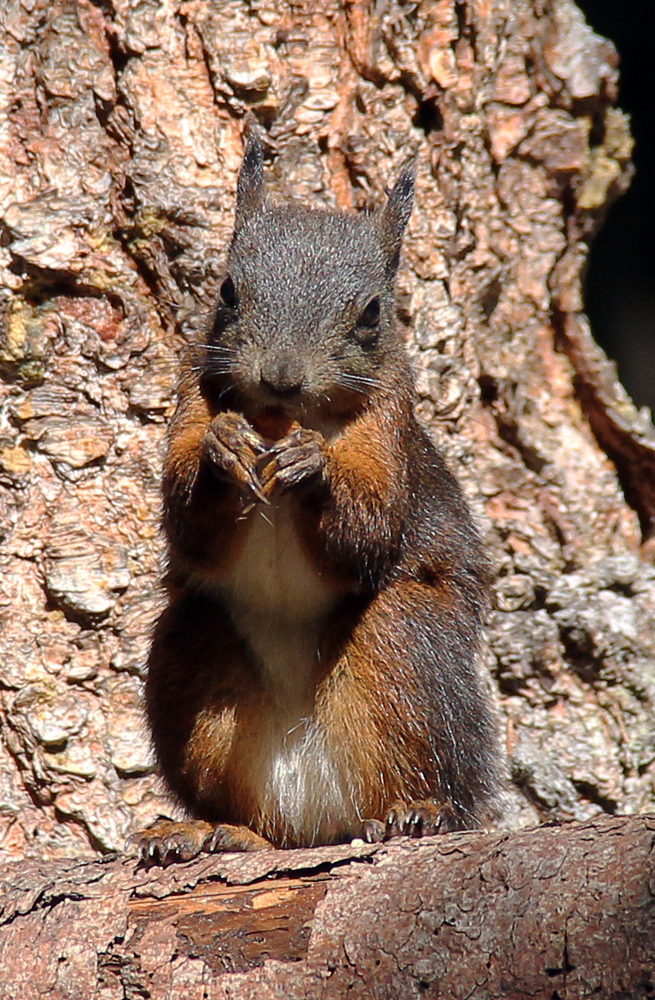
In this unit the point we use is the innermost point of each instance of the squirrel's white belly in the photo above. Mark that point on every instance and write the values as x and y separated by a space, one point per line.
278 600
303 791
272 574
279 603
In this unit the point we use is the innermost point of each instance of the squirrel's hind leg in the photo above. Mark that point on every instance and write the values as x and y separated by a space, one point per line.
421 818
407 711
167 840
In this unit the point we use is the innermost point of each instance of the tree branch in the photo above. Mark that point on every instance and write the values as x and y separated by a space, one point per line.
559 911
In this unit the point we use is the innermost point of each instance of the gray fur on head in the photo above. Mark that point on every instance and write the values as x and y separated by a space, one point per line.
251 196
395 215
308 303
251 193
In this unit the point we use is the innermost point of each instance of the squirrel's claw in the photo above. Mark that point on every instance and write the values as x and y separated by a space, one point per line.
421 818
166 840
293 460
227 837
373 831
233 448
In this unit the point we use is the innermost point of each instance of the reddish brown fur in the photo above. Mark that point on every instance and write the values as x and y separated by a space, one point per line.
202 524
368 704
366 468
371 711
354 673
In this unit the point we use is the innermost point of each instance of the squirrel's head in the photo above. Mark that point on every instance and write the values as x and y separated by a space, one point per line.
305 321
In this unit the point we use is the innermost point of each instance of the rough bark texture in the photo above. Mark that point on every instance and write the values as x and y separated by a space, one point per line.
556 912
120 131
119 140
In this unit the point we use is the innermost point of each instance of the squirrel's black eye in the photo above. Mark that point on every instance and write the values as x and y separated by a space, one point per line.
370 316
366 328
228 293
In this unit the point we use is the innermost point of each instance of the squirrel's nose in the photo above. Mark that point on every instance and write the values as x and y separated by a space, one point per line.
282 379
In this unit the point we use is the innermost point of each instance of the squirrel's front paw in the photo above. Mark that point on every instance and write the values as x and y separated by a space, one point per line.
233 448
294 460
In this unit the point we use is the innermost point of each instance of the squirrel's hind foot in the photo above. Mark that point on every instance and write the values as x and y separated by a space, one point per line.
165 841
420 818
225 837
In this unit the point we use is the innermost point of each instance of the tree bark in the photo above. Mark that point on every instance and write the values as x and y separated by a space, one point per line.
120 130
551 912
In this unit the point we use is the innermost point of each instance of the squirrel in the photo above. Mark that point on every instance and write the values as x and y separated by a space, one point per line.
315 675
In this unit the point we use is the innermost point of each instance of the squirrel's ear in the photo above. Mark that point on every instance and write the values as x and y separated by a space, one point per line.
251 194
395 215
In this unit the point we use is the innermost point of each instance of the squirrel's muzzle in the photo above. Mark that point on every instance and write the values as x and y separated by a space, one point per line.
282 378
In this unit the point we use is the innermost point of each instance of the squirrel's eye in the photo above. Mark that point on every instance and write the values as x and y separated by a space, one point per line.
366 328
370 315
228 293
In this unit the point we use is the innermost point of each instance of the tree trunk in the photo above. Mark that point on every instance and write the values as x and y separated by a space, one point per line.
553 912
120 130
